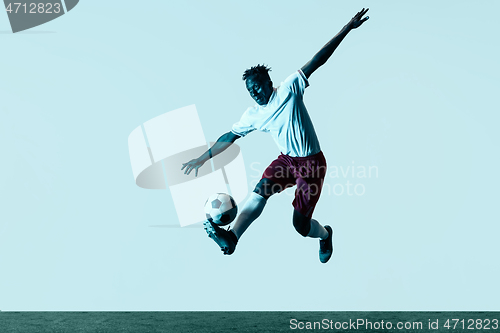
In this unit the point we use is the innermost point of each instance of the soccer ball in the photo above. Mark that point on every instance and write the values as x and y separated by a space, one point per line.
220 208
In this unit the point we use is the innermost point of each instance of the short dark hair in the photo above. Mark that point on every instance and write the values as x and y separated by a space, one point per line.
262 71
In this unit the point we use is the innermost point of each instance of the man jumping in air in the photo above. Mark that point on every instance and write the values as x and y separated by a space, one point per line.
281 112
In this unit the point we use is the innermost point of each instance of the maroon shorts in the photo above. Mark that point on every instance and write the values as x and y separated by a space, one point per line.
307 173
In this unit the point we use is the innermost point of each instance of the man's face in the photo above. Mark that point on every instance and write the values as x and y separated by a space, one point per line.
260 89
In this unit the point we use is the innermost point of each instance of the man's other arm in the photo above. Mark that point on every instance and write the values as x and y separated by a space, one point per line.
222 144
326 51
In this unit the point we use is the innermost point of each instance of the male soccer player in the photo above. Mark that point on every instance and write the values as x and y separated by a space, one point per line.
281 112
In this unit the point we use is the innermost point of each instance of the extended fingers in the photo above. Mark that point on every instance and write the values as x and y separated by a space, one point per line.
358 19
190 167
362 12
366 18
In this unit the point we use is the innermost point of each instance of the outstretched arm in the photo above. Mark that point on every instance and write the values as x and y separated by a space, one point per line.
326 51
222 144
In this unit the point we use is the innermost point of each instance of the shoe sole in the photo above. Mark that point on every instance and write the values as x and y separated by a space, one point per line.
213 235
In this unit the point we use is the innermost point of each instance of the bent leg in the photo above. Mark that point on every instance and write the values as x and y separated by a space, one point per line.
301 223
308 227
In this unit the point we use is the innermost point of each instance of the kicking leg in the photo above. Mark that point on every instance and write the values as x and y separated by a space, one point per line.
227 239
254 205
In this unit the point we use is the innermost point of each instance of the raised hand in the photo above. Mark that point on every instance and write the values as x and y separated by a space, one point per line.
358 19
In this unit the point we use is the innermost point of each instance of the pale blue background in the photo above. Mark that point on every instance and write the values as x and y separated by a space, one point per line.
411 92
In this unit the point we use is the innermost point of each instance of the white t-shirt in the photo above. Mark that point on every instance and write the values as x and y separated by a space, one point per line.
285 117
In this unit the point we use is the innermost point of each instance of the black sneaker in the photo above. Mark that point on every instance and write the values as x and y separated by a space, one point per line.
226 239
326 246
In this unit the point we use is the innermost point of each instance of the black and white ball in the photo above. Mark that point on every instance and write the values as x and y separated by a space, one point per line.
220 208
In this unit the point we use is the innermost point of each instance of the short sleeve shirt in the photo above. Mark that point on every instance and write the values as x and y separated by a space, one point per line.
285 117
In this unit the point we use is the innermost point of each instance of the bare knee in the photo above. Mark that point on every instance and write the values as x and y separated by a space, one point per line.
301 223
266 187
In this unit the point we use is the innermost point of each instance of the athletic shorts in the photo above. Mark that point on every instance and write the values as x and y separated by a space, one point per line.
308 173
